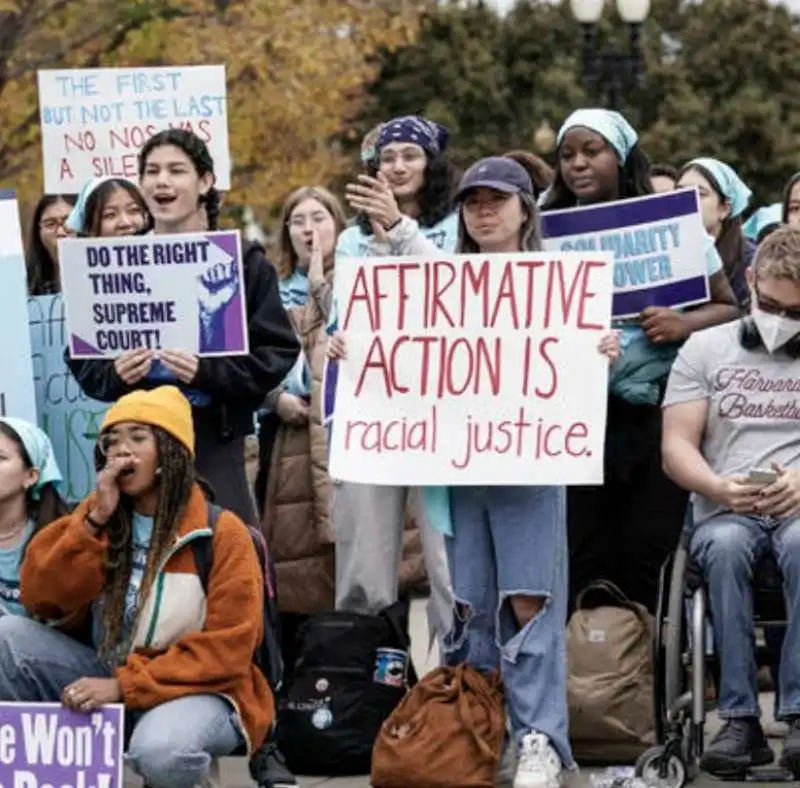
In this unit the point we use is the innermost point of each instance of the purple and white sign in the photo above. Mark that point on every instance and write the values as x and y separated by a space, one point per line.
45 745
178 292
330 374
659 246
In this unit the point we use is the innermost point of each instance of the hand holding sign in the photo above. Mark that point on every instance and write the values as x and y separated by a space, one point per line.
180 363
133 365
663 325
337 349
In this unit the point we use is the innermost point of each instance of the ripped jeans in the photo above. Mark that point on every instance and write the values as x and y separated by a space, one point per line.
171 745
512 541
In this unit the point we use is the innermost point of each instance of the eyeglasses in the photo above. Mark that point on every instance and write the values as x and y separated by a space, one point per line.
300 222
53 224
774 308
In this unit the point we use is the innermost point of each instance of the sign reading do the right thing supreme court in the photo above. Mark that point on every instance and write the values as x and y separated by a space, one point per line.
472 369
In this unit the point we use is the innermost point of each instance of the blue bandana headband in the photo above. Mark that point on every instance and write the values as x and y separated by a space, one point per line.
77 218
616 131
764 217
730 184
40 451
430 136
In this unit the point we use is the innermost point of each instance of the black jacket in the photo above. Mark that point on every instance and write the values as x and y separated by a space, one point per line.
237 385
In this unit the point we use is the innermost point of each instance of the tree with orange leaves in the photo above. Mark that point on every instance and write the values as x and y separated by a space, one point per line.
296 72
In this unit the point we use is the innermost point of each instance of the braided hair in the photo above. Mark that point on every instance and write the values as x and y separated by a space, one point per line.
198 153
176 480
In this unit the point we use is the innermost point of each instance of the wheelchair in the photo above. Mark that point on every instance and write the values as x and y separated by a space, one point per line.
681 665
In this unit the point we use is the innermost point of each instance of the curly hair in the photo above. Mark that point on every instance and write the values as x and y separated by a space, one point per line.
176 479
198 153
435 199
49 505
43 278
634 181
96 204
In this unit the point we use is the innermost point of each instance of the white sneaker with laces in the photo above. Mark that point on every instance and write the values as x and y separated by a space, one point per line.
539 765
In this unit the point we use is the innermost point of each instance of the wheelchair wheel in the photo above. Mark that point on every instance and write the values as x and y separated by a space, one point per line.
649 766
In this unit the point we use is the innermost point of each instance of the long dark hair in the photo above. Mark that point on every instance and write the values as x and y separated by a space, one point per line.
731 242
634 181
95 205
49 505
198 154
43 278
176 479
435 198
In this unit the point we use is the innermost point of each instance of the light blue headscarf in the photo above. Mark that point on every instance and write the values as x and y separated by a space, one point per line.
761 219
619 134
40 451
730 184
77 218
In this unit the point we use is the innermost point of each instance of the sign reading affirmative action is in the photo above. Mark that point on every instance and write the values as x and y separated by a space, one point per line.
44 745
658 243
182 292
95 121
472 370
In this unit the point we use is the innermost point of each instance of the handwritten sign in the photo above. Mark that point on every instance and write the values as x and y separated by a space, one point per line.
95 121
472 370
158 291
16 379
45 744
658 243
66 414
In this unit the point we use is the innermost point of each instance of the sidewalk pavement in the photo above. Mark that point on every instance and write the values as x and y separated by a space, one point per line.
234 772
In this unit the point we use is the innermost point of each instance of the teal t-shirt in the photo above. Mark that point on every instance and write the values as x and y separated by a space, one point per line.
142 528
10 563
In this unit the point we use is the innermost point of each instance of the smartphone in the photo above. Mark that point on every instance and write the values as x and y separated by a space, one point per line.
762 476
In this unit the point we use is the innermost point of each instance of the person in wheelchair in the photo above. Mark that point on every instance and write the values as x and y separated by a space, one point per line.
731 437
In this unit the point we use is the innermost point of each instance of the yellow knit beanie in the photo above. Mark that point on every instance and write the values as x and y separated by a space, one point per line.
163 407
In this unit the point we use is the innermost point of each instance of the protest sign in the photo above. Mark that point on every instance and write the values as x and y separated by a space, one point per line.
45 745
66 414
95 121
658 242
16 380
183 292
472 370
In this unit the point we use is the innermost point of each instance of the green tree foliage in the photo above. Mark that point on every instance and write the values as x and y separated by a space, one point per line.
720 79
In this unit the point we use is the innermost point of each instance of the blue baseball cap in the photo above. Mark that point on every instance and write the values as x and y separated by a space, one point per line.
498 173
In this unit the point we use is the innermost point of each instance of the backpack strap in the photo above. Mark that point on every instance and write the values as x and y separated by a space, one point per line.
203 547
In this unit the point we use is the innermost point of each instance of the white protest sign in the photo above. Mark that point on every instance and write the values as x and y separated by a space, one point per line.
183 292
95 121
472 370
658 242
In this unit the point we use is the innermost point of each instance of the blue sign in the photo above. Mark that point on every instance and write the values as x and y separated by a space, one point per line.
658 242
66 414
16 376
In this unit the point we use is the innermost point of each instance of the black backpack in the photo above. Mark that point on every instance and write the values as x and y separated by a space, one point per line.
332 711
267 656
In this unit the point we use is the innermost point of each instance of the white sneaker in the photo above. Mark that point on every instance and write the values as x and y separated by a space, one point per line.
539 765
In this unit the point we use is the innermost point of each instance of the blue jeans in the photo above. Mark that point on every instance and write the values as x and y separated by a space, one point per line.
172 744
512 541
728 547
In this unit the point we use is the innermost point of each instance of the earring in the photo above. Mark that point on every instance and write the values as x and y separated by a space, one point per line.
158 471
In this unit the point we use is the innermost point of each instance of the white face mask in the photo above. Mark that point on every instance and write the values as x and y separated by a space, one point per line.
775 330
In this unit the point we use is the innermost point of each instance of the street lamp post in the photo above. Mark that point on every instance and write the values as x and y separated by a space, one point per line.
615 71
